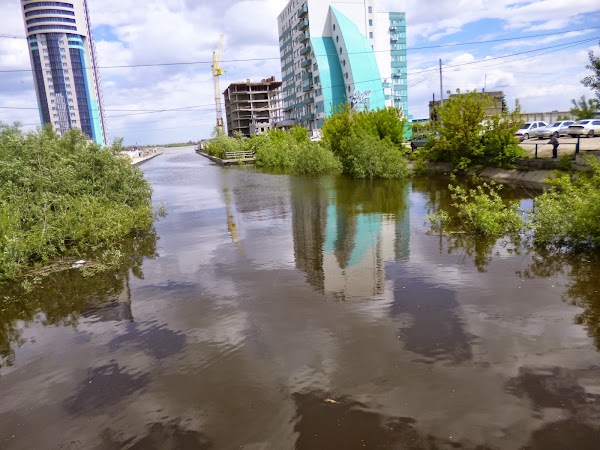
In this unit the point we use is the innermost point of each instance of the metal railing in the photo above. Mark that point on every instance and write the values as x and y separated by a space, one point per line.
573 147
241 154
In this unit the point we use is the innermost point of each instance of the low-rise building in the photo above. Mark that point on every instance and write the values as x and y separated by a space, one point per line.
497 104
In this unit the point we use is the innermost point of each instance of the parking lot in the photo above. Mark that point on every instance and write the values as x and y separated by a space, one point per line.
566 147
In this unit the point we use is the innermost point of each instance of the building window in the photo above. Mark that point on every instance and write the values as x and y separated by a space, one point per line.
346 75
370 35
337 39
334 27
340 50
370 22
370 9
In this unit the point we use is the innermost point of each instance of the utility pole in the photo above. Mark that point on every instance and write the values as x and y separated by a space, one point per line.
441 86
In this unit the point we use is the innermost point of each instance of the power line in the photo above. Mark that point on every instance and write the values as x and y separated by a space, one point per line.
191 63
554 48
569 44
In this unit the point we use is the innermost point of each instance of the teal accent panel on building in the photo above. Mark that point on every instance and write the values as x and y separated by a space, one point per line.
361 60
332 81
96 124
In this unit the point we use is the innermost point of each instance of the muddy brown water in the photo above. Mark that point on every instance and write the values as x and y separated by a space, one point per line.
280 312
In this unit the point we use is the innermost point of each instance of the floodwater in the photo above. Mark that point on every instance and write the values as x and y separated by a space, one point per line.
279 312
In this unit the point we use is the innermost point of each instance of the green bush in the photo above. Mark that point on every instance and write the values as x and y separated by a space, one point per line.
479 211
368 144
221 144
293 151
567 215
370 157
467 137
64 196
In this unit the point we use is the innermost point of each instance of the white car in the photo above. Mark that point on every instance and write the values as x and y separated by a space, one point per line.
587 127
556 129
529 130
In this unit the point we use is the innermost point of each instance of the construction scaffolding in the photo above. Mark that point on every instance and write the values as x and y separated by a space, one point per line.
253 108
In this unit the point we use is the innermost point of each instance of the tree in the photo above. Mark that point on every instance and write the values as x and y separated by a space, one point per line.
593 81
467 136
584 109
461 126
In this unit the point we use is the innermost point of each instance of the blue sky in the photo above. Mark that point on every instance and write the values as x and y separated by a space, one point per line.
167 31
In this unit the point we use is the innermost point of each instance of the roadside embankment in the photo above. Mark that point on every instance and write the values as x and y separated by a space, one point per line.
142 159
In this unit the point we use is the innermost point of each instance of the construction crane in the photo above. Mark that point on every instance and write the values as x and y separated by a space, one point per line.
217 72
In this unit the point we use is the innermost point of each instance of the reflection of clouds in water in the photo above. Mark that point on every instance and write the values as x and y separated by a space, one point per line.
105 386
227 329
324 422
575 392
436 330
154 339
159 436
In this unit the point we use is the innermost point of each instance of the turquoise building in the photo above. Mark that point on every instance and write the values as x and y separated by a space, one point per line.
338 54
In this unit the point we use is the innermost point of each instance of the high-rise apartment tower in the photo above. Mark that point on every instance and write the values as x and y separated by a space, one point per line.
330 51
61 48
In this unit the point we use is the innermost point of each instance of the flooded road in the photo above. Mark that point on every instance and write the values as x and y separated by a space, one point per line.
278 312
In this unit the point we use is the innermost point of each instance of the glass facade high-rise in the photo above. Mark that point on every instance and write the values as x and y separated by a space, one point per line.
64 66
330 51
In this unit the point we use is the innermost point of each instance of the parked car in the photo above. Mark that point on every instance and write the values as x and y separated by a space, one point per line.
529 130
587 127
556 129
421 140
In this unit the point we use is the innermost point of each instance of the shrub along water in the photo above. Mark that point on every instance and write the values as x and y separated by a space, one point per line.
64 196
293 151
467 137
361 144
567 215
479 211
369 143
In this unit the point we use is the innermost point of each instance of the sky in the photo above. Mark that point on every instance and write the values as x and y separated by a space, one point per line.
544 73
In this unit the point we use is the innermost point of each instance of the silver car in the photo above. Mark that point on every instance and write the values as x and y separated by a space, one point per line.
587 127
529 130
556 129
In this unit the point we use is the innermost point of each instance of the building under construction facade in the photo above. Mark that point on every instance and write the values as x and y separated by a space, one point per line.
253 108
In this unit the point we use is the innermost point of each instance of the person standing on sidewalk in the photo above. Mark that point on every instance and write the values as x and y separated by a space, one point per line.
554 142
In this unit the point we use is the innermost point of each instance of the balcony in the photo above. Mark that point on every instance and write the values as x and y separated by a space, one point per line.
305 36
307 86
306 101
306 63
303 24
308 116
393 28
289 108
305 50
303 11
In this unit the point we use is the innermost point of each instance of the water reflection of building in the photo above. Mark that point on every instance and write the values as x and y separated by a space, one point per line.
343 236
309 219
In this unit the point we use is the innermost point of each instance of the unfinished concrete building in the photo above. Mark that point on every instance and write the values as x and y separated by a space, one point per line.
253 108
